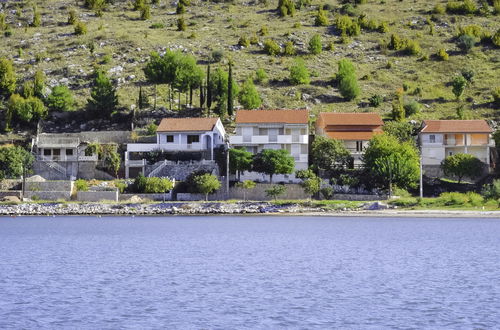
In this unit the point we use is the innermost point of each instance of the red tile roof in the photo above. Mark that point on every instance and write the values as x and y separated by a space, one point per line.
354 119
272 116
186 124
456 126
352 136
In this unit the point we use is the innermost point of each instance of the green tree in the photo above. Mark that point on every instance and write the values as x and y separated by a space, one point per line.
398 110
321 18
12 161
315 45
461 165
329 155
245 185
110 158
61 99
249 97
310 181
103 99
260 76
240 161
39 84
275 190
8 78
207 184
271 47
299 75
289 49
458 86
386 153
230 98
403 131
286 8
273 162
466 42
181 24
346 78
27 109
217 86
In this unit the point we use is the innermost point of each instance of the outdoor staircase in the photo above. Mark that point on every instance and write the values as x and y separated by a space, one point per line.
55 167
157 169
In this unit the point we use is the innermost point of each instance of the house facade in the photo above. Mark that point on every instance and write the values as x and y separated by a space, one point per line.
442 138
354 129
257 130
198 136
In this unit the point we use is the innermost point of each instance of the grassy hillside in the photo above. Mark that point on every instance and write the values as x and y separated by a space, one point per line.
122 43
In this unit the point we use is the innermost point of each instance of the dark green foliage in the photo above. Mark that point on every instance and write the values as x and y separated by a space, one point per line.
403 131
289 49
80 28
26 109
315 45
310 181
218 87
299 75
145 12
103 99
398 111
249 97
458 86
392 162
376 100
240 161
8 78
329 155
230 95
181 24
412 107
286 8
275 191
207 184
496 98
61 99
39 84
404 45
468 74
12 161
260 76
72 17
321 18
273 162
157 26
244 42
110 158
152 185
142 101
461 165
492 191
466 42
346 78
181 9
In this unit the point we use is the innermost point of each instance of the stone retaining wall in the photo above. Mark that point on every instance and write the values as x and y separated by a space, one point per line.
48 195
97 196
153 197
16 193
293 191
61 185
359 198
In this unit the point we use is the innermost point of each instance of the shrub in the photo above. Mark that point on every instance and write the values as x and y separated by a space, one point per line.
461 165
72 17
496 96
244 41
80 28
180 9
248 97
217 56
37 18
299 74
61 99
475 199
442 55
271 47
439 9
468 74
275 191
492 191
327 192
120 185
458 86
81 185
412 107
461 7
145 12
347 26
404 202
181 24
466 42
406 46
260 75
495 39
286 7
315 45
349 87
453 199
375 100
264 31
152 185
321 18
289 49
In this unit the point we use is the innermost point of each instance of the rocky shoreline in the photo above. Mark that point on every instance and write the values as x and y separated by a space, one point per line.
374 209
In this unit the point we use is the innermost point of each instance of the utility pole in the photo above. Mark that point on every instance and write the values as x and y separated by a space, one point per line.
227 170
421 178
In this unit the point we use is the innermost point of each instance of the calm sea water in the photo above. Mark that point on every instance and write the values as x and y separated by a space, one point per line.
249 272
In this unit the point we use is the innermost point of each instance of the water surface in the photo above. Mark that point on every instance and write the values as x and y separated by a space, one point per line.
249 272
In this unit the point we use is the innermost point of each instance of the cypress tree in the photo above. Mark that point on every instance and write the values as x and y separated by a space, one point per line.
230 90
103 99
209 90
202 96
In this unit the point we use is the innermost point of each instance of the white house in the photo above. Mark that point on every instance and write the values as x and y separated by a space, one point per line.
257 130
198 135
354 129
442 138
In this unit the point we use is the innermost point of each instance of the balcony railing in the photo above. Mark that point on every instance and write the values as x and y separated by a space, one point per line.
147 147
265 139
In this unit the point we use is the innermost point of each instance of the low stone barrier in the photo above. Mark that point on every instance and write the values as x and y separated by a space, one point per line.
153 197
293 191
48 195
15 193
199 197
97 196
358 197
37 186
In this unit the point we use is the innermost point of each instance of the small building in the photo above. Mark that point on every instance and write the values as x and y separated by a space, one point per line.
196 137
442 138
354 129
257 130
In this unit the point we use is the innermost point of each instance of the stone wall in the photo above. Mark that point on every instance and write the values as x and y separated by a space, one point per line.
97 196
293 191
200 197
9 184
48 195
118 137
182 170
153 197
49 186
16 193
358 197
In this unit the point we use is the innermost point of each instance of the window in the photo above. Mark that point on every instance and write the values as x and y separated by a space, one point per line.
170 138
193 139
69 152
432 138
359 146
46 152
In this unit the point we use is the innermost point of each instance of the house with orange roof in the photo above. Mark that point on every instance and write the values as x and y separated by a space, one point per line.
442 138
198 136
354 129
257 130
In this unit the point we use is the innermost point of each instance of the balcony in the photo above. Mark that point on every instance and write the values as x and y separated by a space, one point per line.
147 147
265 139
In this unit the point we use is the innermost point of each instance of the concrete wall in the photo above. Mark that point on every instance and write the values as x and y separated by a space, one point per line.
153 197
48 195
16 193
293 191
9 184
200 197
357 197
100 136
97 196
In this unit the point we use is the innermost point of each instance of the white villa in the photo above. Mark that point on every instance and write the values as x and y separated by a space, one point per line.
442 138
354 129
273 129
199 135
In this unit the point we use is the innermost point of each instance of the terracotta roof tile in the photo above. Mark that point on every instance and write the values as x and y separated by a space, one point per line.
272 116
186 124
355 119
456 126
